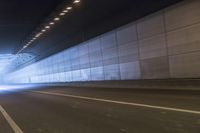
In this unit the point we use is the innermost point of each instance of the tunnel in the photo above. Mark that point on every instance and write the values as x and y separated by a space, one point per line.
100 66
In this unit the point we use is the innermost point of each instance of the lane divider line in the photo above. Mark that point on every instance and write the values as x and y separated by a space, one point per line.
120 102
10 121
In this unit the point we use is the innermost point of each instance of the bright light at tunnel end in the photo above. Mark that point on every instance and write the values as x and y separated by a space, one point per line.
16 88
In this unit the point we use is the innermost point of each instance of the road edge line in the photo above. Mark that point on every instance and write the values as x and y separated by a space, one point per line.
120 102
10 121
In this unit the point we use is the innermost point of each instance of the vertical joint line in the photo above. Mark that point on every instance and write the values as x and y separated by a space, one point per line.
118 57
166 41
138 48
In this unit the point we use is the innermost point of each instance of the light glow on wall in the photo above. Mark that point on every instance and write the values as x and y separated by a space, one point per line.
5 60
88 61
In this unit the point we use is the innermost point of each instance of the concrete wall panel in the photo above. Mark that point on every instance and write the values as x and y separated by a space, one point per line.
184 40
153 47
150 26
185 65
182 14
85 74
155 68
111 72
128 52
108 40
97 73
126 34
130 70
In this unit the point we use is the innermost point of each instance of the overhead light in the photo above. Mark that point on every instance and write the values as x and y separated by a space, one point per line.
69 8
77 1
65 11
62 14
56 19
39 34
47 27
51 23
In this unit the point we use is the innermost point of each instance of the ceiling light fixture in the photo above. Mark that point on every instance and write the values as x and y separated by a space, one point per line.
51 23
65 11
56 19
47 27
62 14
76 1
39 34
69 8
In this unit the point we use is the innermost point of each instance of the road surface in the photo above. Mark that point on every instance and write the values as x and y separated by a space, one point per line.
99 110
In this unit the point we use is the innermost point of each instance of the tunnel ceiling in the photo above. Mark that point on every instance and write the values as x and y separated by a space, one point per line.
19 18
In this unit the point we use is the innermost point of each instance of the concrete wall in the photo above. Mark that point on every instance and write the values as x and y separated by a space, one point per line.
163 45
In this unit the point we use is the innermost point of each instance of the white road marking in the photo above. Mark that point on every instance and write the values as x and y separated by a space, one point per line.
11 122
120 102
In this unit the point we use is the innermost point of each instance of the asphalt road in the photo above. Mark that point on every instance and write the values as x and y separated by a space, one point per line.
100 110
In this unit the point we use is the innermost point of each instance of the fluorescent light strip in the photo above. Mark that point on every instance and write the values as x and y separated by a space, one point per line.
56 19
47 27
65 11
62 14
51 23
69 8
77 1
